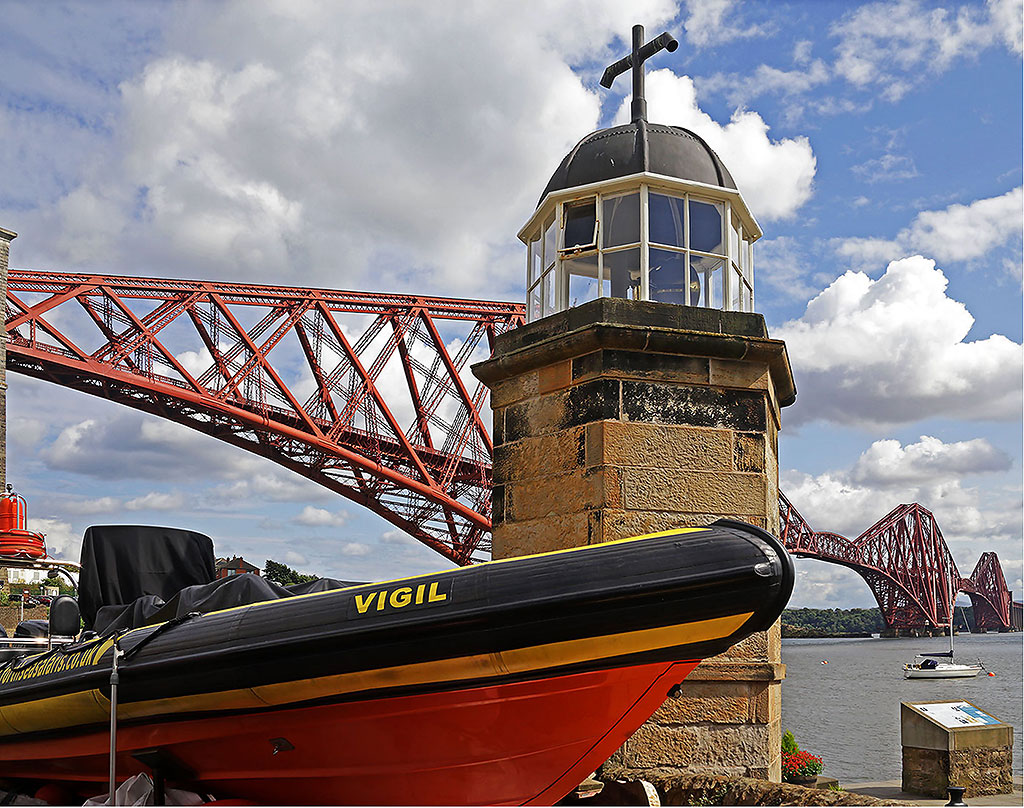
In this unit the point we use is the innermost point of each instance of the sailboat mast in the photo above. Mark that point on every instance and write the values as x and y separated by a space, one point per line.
952 611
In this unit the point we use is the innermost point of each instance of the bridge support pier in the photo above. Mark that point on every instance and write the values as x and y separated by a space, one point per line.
617 418
6 237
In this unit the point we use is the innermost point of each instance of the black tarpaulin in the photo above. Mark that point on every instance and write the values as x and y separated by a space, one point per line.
121 563
235 590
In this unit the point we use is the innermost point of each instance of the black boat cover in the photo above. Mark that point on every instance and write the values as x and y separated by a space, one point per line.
235 590
123 562
32 628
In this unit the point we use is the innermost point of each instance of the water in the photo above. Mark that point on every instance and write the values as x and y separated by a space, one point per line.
848 711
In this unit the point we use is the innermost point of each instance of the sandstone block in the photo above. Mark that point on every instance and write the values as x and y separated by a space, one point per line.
579 491
641 365
709 746
554 377
749 452
557 532
541 456
714 670
697 491
515 388
755 648
659 446
623 524
735 373
716 703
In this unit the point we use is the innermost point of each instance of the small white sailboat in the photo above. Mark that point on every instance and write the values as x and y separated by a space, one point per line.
926 666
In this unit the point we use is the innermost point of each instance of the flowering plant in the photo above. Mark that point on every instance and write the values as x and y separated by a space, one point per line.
800 766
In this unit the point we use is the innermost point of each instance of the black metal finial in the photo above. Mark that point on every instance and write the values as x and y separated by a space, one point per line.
641 53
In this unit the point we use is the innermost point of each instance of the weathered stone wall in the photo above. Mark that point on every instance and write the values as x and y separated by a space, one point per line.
619 418
6 237
720 790
980 770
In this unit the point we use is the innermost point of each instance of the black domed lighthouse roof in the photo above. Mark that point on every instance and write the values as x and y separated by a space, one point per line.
640 147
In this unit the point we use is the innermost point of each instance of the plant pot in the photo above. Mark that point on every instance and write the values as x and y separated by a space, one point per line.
804 781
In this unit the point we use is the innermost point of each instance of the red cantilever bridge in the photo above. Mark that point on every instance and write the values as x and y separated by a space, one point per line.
370 395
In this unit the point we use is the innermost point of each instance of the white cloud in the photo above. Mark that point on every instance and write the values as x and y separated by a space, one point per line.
312 144
888 462
895 45
320 517
354 548
712 22
775 177
887 168
893 350
291 557
957 233
399 537
62 540
963 232
1008 20
89 507
157 501
740 90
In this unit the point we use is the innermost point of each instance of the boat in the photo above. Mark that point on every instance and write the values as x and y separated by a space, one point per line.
503 683
924 667
929 666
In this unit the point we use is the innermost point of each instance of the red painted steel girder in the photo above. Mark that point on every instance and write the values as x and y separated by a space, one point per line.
908 566
991 599
367 394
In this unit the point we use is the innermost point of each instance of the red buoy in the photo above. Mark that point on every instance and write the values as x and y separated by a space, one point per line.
16 540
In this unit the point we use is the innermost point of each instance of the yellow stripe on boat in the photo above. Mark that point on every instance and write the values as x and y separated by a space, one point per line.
477 666
92 707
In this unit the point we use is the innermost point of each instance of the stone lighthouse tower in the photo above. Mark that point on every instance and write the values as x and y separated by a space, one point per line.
644 394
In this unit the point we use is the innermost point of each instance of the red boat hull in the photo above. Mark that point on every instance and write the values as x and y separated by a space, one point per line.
527 742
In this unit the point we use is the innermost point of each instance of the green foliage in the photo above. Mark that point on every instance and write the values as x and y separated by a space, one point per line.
834 787
789 743
827 622
284 575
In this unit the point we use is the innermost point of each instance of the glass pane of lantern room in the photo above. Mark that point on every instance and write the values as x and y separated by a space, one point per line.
580 225
582 275
669 280
549 242
706 226
620 220
735 288
548 295
709 272
534 303
622 274
666 220
534 261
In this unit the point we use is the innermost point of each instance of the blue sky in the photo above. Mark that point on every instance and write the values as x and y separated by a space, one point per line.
400 146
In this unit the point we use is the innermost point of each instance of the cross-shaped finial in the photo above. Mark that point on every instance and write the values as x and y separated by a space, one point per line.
635 60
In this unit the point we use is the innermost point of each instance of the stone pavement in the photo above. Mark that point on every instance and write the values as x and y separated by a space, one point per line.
890 790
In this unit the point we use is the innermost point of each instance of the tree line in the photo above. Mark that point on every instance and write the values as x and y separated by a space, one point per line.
833 622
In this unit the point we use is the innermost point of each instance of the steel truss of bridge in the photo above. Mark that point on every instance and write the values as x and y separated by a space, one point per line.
370 395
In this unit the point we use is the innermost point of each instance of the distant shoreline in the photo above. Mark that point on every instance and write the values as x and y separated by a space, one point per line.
797 633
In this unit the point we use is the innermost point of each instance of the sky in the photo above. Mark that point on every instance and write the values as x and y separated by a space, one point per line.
400 146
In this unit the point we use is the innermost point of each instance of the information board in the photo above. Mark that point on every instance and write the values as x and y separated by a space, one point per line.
956 714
